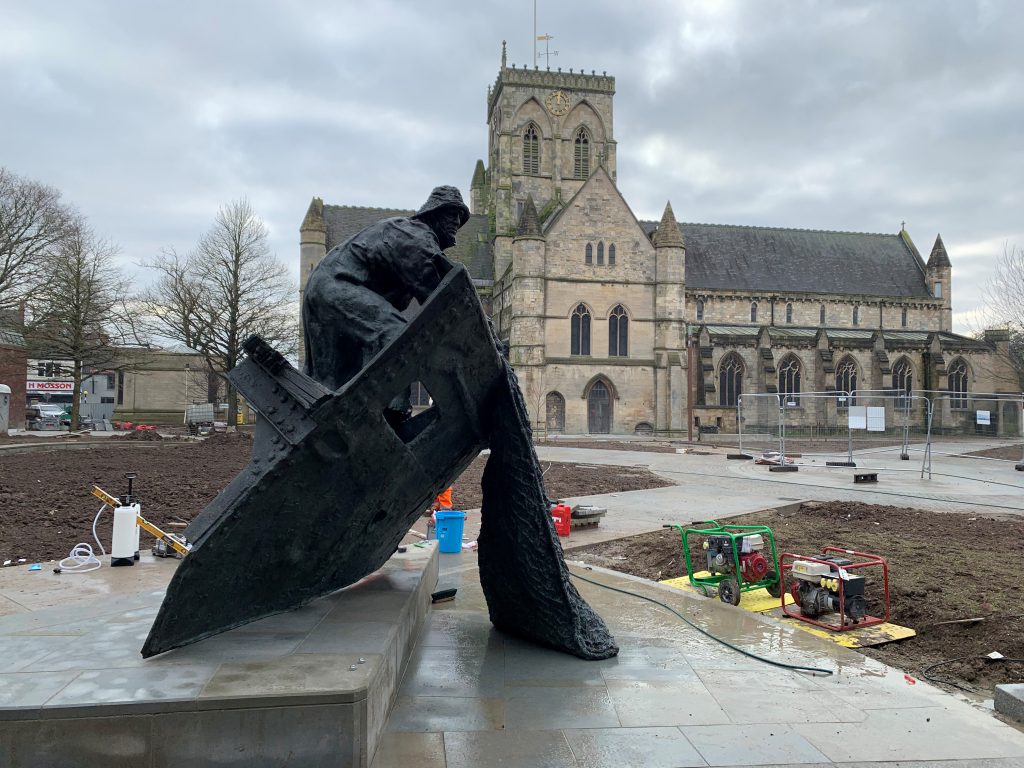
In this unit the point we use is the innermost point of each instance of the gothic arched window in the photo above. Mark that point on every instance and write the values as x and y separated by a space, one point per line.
618 333
580 331
958 385
581 155
730 379
856 315
589 257
611 255
846 381
700 310
600 253
753 311
789 313
903 317
903 382
821 315
789 380
531 151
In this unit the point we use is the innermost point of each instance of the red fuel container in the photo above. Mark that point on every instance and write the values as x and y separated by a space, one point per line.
562 515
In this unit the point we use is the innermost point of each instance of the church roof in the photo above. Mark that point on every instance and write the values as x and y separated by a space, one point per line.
781 333
471 243
728 257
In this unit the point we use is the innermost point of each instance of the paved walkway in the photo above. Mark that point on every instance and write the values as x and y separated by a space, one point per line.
475 697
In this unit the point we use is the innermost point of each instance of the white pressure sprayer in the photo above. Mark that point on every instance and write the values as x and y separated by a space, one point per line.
124 547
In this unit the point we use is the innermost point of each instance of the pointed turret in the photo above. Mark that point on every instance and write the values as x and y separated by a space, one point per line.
314 217
529 222
312 248
939 257
939 274
477 189
670 322
668 234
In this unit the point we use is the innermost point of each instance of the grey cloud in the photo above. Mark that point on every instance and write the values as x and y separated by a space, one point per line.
832 115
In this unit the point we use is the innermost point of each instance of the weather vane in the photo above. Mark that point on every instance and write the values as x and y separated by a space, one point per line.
548 53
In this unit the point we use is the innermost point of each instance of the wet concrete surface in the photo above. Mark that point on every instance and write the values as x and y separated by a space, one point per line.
673 697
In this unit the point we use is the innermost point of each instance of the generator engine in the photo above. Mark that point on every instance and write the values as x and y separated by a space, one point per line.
754 566
816 588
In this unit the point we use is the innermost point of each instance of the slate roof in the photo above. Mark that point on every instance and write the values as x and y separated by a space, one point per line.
725 257
471 244
947 339
733 330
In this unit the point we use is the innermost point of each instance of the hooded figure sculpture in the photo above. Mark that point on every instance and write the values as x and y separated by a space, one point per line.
356 295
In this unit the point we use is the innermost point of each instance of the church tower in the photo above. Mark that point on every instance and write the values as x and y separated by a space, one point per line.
547 132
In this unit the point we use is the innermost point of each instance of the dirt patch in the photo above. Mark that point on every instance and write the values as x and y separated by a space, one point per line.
942 568
562 480
1007 453
46 506
142 435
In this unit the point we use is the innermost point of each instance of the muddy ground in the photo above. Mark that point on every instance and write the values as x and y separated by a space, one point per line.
46 506
942 568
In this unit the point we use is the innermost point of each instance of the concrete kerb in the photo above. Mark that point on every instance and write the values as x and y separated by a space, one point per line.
1009 701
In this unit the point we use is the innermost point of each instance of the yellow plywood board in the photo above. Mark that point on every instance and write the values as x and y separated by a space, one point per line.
759 601
879 634
755 601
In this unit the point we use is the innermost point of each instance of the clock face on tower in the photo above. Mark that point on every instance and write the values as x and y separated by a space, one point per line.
557 103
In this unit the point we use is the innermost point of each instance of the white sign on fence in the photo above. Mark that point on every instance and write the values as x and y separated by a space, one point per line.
858 417
876 419
984 417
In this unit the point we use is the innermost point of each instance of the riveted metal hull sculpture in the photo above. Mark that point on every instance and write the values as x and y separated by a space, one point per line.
332 487
341 468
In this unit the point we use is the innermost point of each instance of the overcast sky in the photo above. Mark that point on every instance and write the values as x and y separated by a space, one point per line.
820 115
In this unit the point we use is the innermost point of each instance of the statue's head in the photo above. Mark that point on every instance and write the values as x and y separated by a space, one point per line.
444 212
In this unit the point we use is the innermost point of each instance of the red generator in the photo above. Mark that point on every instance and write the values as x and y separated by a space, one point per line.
830 589
562 516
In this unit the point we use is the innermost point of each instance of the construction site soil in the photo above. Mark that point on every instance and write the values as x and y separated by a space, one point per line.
955 579
46 506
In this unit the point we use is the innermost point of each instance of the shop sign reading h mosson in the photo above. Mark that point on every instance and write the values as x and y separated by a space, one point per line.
35 385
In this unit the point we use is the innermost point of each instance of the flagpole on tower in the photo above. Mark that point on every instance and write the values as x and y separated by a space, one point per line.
534 31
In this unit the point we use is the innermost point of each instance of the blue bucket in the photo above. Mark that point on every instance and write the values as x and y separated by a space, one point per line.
449 530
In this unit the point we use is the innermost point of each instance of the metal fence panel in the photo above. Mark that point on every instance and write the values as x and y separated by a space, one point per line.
977 425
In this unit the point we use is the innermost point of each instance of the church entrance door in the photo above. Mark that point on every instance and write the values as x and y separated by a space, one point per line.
555 413
599 409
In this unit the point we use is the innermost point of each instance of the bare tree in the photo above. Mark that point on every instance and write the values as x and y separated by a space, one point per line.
32 222
227 288
76 310
1004 299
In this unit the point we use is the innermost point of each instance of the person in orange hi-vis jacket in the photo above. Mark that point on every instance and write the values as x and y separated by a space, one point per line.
443 500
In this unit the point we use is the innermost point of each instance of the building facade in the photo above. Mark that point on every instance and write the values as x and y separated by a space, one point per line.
617 325
147 386
13 362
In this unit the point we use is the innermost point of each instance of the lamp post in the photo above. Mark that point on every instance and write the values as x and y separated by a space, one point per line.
689 385
185 417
